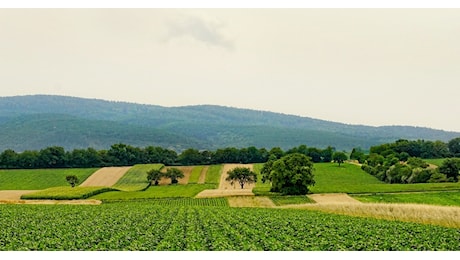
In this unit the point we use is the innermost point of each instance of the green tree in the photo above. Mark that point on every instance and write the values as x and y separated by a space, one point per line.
292 174
451 168
454 146
242 175
154 176
174 174
339 157
72 180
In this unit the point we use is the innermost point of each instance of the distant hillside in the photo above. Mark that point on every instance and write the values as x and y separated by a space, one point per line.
38 121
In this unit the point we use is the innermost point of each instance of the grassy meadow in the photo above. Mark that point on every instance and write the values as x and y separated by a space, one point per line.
38 179
445 198
136 178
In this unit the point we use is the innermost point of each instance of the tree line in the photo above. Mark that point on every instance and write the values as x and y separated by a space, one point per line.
125 155
402 161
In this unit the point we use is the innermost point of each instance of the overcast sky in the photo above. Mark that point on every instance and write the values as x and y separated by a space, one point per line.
358 66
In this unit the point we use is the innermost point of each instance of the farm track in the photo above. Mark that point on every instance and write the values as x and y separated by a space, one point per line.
13 194
106 176
51 202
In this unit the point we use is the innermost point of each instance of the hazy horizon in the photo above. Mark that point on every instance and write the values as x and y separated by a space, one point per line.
372 67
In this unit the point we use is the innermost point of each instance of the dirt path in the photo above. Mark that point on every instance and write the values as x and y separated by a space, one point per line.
226 189
106 176
48 202
202 178
333 198
13 194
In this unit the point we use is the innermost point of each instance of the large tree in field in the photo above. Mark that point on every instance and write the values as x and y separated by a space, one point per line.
154 176
339 157
242 175
72 180
292 174
174 174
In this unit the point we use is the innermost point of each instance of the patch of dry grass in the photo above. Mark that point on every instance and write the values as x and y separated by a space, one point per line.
250 201
446 216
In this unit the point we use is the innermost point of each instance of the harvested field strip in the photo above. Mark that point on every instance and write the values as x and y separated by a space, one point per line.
250 201
332 198
106 176
226 189
187 170
416 213
202 177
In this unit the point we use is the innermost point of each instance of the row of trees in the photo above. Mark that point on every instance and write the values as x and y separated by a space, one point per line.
420 148
122 154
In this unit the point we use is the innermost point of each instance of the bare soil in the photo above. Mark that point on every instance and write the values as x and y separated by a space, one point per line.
106 176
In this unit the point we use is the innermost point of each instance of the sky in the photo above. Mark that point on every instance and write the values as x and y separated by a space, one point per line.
368 66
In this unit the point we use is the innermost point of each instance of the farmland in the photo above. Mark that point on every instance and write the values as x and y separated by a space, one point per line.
136 216
37 179
141 226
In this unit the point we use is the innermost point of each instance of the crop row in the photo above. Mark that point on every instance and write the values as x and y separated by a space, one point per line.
142 226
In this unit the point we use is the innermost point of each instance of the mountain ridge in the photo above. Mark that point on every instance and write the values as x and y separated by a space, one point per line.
181 127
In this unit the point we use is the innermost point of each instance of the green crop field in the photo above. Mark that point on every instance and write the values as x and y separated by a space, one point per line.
66 193
141 226
136 177
163 191
195 175
37 179
434 198
349 178
213 174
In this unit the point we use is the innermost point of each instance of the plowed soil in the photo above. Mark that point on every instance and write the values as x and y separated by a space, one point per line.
106 176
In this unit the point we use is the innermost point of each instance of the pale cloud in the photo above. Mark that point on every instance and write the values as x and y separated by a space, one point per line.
201 30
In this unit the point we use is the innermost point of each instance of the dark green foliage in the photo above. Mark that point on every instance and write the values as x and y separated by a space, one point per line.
242 175
339 157
154 176
174 174
72 180
454 147
451 168
292 174
83 123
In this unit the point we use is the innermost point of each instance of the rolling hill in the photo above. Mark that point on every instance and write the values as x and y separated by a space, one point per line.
38 121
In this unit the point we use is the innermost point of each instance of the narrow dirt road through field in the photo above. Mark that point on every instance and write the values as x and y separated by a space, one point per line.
13 194
106 176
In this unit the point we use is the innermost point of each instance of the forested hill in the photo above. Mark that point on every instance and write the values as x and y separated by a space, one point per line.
39 121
